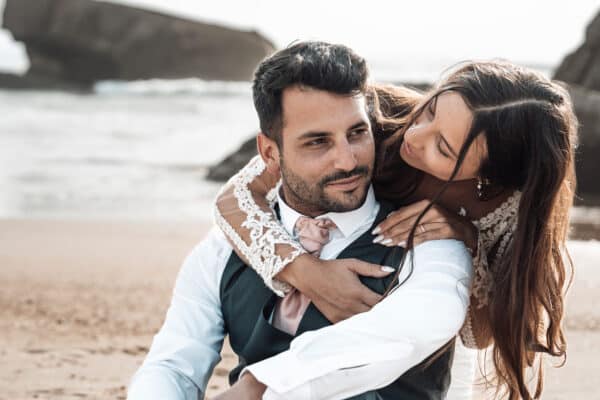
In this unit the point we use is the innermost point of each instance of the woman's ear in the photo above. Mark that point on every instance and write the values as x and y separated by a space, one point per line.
269 151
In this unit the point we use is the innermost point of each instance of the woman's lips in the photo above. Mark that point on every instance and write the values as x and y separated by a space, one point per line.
346 184
407 149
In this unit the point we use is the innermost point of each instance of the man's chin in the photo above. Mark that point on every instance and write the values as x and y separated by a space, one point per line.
343 201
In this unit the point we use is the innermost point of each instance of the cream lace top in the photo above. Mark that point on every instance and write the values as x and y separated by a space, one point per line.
250 224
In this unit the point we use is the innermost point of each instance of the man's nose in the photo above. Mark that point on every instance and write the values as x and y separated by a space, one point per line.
345 159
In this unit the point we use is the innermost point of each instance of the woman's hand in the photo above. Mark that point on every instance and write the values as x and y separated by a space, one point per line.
333 285
437 223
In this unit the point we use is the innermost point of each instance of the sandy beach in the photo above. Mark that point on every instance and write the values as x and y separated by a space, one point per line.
80 301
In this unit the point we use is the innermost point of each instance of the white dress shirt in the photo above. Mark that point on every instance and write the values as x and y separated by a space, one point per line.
365 352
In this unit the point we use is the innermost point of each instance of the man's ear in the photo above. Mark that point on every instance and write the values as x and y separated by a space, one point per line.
269 151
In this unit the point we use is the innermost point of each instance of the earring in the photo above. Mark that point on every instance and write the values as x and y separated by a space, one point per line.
482 184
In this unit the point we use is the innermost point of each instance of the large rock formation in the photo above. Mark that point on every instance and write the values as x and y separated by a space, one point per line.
581 70
231 164
587 109
582 67
84 41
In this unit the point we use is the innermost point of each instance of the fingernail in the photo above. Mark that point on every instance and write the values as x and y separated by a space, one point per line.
387 269
378 239
386 241
376 231
402 244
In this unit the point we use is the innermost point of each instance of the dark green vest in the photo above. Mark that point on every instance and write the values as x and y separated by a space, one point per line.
247 305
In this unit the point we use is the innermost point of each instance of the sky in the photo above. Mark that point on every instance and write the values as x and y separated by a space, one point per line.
526 31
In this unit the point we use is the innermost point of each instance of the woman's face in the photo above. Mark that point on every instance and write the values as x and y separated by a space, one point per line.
433 141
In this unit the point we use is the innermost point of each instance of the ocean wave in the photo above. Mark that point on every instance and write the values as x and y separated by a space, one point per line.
172 86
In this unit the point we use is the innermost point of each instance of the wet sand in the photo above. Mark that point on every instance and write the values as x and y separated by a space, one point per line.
80 301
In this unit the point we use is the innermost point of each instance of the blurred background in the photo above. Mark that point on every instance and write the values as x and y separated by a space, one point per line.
120 119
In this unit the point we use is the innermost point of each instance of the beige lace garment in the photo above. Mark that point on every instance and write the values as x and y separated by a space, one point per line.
244 212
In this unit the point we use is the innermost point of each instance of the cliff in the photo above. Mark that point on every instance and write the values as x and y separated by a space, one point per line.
83 41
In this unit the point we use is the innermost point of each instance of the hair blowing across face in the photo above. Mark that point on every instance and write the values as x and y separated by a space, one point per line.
530 132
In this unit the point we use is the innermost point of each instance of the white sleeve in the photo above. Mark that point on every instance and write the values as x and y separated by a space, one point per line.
372 349
187 347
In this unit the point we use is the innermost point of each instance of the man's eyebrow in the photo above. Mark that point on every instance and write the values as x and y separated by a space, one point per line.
313 134
316 134
359 124
454 153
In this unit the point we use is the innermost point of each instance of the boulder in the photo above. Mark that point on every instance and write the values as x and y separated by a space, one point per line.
231 164
83 41
582 67
587 109
581 71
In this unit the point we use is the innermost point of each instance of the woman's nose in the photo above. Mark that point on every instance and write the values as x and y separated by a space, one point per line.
416 135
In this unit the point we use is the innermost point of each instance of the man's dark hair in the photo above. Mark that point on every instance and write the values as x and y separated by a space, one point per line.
333 68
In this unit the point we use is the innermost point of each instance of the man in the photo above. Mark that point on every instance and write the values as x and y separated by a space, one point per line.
310 99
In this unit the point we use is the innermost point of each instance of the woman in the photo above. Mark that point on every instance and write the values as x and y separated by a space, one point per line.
485 157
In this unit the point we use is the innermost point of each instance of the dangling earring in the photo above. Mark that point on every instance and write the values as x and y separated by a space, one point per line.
481 186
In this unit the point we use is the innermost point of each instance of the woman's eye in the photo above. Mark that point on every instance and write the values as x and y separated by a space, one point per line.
430 113
439 146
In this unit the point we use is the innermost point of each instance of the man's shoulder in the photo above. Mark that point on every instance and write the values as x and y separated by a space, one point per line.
215 240
212 252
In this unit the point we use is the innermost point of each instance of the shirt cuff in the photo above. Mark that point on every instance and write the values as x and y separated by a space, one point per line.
278 387
271 372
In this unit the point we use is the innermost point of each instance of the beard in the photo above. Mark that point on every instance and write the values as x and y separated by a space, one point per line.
312 198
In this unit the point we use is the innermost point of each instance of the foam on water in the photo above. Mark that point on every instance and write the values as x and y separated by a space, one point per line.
177 86
129 150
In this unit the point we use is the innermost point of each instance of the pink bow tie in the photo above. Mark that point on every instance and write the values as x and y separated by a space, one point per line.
313 234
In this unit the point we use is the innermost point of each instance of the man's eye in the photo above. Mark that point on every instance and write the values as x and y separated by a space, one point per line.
316 142
358 133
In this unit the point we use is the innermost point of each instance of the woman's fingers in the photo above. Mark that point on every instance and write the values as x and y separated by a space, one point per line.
400 215
433 234
364 268
399 234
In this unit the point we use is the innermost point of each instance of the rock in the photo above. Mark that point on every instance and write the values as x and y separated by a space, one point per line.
582 67
587 109
36 82
225 169
581 71
83 41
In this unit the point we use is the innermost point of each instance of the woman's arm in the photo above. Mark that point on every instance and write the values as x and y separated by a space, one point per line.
244 213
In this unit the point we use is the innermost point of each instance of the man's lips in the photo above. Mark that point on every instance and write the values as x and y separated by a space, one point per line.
346 184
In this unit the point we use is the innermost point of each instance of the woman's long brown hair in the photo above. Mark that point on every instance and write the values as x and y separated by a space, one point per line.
530 132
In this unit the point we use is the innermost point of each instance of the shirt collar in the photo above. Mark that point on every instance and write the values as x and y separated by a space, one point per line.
346 222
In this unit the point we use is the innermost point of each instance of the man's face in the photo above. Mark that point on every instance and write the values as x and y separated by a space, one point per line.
327 151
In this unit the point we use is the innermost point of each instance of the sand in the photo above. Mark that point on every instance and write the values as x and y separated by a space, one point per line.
80 301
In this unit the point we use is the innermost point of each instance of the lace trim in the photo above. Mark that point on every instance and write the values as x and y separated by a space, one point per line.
466 332
482 281
265 230
496 228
